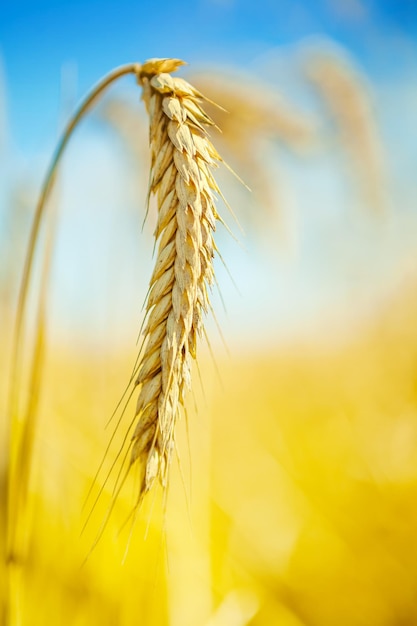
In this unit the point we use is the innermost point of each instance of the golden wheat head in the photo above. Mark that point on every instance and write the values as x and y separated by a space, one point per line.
181 180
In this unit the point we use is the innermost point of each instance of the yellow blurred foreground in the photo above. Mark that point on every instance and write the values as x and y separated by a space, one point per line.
296 503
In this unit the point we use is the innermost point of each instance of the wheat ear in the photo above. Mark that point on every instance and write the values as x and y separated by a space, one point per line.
181 159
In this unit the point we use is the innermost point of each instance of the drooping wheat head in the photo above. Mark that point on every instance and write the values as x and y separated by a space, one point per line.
181 160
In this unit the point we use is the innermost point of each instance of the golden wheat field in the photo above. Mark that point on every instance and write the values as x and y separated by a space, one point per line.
297 505
279 486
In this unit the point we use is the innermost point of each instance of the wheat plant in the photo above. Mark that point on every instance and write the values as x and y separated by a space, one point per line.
182 158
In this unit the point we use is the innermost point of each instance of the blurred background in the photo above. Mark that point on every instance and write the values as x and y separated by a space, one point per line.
293 500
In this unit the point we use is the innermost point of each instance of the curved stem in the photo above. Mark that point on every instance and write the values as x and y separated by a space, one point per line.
19 433
132 68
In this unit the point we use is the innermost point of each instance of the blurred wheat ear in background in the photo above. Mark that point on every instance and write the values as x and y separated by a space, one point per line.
348 98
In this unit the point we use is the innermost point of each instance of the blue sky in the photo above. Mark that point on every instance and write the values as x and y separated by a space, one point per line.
333 255
38 37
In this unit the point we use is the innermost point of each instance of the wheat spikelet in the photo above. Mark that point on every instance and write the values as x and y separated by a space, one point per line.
181 157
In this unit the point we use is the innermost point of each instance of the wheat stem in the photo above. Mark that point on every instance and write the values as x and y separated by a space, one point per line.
132 68
22 426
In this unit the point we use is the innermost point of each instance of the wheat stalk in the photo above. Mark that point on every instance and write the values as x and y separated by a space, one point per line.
181 158
22 424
